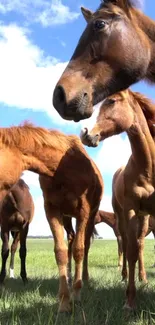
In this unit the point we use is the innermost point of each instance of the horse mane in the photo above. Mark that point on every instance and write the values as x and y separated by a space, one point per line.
124 4
148 108
28 135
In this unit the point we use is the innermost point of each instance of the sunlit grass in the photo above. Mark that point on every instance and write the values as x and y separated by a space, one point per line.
102 299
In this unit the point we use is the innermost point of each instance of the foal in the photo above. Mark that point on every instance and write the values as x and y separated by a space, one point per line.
133 113
17 211
71 184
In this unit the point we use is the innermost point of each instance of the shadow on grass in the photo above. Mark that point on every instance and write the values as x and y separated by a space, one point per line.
100 305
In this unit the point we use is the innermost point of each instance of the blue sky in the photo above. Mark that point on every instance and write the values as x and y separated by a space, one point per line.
37 38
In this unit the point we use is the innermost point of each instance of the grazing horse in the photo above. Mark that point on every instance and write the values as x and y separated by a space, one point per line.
135 114
115 50
16 213
72 185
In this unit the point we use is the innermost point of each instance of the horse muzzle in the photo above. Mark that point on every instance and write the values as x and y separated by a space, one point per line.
88 139
76 109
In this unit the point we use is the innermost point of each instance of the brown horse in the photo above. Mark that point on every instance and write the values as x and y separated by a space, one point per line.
17 211
74 188
118 191
110 219
115 50
135 114
101 216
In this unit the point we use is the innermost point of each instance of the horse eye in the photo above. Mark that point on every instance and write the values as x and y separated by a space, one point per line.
110 101
99 24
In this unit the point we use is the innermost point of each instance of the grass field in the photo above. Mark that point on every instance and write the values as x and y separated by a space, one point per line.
102 299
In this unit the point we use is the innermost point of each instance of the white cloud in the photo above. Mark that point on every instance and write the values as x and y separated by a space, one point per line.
39 225
46 12
114 153
56 14
27 77
31 179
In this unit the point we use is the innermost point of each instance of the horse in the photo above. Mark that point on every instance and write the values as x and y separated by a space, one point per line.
115 50
101 216
75 190
135 114
110 219
17 210
118 205
71 183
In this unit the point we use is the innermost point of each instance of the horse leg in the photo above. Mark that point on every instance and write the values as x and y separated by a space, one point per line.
132 256
78 254
4 252
60 249
143 228
13 251
123 243
120 252
22 252
154 246
70 237
88 235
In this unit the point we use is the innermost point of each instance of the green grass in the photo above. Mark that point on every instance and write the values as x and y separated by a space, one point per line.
102 299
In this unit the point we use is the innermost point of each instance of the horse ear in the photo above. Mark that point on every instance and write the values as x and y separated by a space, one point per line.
87 14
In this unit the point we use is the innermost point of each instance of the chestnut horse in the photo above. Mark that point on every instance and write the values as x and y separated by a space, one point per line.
72 185
135 114
110 219
17 211
118 205
101 216
115 50
75 190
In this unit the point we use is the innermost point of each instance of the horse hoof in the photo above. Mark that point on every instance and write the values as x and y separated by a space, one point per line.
65 307
2 279
143 281
76 297
128 308
25 281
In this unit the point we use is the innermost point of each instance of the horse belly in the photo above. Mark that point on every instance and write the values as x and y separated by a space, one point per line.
16 221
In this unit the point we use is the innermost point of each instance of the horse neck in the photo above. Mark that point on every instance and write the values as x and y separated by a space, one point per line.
147 25
107 217
142 142
39 157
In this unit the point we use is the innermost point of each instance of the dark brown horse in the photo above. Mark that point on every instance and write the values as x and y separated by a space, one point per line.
115 50
135 114
16 213
72 185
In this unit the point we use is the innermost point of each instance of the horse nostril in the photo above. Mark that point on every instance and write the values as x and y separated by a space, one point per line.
85 95
59 96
